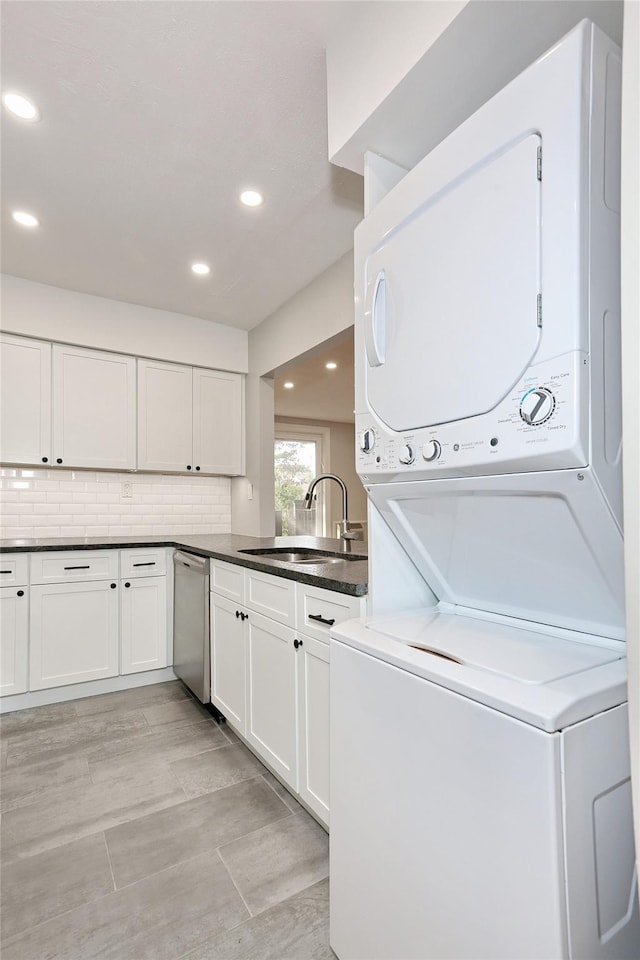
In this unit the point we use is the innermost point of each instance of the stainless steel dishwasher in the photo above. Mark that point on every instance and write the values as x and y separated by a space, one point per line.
191 645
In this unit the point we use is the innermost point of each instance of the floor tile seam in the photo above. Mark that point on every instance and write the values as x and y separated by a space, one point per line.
271 787
141 738
235 885
250 833
84 836
106 847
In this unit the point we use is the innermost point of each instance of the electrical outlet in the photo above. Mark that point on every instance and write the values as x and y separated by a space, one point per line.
127 489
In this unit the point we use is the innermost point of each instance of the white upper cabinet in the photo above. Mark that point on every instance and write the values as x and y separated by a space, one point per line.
25 400
165 419
189 419
218 421
94 403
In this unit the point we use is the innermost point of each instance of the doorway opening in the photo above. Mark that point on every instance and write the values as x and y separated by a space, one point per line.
300 454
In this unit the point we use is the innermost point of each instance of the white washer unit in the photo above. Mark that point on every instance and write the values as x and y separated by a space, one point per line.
481 801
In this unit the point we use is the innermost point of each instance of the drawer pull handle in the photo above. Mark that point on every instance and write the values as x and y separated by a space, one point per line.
6 571
151 563
87 566
321 619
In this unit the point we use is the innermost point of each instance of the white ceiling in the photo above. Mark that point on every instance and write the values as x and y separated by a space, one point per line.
154 116
318 393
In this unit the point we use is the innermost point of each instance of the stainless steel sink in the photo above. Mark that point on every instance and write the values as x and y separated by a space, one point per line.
304 555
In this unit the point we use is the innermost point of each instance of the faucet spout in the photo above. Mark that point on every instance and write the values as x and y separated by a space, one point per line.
345 533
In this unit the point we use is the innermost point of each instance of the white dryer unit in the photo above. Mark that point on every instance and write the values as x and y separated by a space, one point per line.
480 785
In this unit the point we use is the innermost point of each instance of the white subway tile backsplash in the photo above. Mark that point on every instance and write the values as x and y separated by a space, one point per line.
67 503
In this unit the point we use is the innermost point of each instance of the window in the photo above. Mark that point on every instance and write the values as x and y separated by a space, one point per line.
299 456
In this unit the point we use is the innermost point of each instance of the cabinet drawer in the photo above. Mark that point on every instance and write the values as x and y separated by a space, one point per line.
14 568
227 579
273 597
143 563
319 610
71 567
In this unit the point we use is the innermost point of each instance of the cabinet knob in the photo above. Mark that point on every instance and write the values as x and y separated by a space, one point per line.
45 459
245 616
21 593
297 643
237 614
197 468
113 586
188 466
59 460
127 584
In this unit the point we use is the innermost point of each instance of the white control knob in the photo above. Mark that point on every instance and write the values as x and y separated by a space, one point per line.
431 450
367 440
406 454
537 406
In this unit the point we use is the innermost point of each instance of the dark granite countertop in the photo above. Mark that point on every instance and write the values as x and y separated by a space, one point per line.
349 576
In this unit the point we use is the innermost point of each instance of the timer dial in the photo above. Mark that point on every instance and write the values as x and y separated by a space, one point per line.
406 454
431 450
367 440
537 406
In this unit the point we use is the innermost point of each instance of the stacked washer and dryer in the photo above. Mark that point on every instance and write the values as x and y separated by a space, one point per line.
480 783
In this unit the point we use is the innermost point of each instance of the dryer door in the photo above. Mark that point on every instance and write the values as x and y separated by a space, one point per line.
451 295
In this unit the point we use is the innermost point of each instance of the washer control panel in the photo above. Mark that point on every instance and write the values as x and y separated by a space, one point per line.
535 427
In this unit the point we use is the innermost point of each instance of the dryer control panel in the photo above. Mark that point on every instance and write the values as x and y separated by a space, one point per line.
535 427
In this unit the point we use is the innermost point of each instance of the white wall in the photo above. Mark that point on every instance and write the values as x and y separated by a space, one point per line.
318 312
402 76
630 371
51 313
370 58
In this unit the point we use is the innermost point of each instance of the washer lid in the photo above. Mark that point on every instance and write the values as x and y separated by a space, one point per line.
545 680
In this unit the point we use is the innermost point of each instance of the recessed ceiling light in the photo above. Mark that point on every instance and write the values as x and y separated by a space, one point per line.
331 365
288 385
202 269
25 219
251 198
20 106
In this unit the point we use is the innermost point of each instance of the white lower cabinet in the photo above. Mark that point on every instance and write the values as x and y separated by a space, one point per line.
228 660
14 640
74 633
313 725
270 674
272 694
143 624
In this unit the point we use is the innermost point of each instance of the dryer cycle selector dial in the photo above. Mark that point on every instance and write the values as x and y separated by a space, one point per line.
431 450
537 406
406 454
367 440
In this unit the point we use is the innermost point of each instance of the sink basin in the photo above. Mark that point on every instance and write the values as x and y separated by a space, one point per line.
302 555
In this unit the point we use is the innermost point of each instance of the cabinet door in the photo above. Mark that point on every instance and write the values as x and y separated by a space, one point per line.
218 421
228 661
94 409
143 617
313 685
272 695
165 423
25 400
74 633
14 625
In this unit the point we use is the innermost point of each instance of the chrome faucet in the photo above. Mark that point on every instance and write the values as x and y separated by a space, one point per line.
346 533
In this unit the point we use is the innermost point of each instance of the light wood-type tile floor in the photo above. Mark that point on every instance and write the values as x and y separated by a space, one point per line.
136 828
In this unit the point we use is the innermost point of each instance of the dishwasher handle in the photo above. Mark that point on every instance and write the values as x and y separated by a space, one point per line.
197 564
